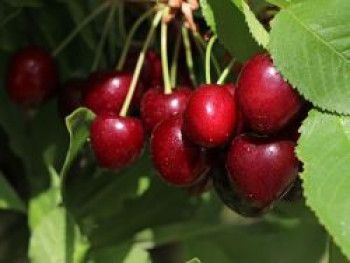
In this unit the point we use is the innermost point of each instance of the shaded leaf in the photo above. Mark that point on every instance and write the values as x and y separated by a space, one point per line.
8 197
228 22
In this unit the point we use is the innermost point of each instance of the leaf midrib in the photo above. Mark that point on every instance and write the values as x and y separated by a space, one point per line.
317 36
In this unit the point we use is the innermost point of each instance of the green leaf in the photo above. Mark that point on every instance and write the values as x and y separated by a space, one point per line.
297 240
8 197
256 28
57 239
78 125
124 253
228 22
310 45
324 148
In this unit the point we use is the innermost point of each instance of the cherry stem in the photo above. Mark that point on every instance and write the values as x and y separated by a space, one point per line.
10 17
226 71
121 20
78 28
164 55
139 64
207 59
130 37
189 57
201 45
106 29
174 62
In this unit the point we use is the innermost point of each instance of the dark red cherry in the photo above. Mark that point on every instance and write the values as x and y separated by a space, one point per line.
210 116
107 91
266 100
178 161
151 73
116 141
32 76
70 96
261 169
156 106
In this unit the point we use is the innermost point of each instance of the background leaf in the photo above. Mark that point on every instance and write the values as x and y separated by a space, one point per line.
256 28
310 44
57 239
228 22
9 198
324 148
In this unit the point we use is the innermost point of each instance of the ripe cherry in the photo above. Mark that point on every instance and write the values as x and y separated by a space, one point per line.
116 141
261 169
151 73
210 116
107 92
156 106
266 100
69 97
32 77
178 161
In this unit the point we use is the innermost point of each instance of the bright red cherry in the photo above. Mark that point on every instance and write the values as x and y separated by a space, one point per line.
69 97
107 91
156 106
151 73
178 161
266 100
32 76
116 141
210 116
262 169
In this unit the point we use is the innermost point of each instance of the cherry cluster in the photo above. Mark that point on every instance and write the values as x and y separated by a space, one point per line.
240 138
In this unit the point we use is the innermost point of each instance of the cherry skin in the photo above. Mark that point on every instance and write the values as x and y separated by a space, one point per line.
116 141
32 77
107 92
262 169
156 106
178 161
210 116
151 73
70 96
266 100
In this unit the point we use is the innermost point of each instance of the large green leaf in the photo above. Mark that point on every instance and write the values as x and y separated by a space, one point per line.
324 148
9 198
57 239
228 22
310 44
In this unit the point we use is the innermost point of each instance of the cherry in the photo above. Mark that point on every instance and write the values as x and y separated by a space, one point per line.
261 169
151 73
210 116
178 161
267 101
32 76
69 97
156 106
116 141
107 91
